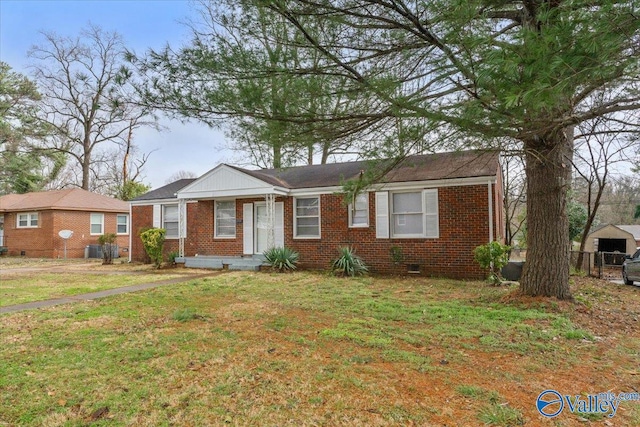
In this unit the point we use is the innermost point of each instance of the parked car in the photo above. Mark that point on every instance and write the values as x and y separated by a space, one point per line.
631 268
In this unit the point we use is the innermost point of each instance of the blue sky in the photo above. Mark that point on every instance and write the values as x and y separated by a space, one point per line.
143 24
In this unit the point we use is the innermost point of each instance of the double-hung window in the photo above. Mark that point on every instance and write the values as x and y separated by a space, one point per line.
28 220
407 215
307 217
170 221
414 214
359 211
97 224
225 219
122 224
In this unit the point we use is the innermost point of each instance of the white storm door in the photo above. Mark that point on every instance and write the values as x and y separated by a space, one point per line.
261 228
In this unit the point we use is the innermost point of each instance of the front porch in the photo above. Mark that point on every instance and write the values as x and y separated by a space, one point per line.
243 263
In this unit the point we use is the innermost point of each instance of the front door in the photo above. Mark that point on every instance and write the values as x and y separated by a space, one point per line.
262 228
255 227
1 230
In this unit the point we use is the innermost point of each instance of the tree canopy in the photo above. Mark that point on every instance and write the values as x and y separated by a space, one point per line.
523 73
22 167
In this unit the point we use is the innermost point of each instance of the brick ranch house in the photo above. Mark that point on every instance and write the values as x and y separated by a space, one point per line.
30 223
425 216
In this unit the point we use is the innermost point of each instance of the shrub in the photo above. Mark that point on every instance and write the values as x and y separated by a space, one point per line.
171 256
107 240
492 256
282 259
153 242
348 263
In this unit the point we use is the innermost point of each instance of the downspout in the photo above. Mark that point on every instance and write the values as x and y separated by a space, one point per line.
490 212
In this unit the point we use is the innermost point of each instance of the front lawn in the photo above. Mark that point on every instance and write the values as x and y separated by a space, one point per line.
306 349
26 280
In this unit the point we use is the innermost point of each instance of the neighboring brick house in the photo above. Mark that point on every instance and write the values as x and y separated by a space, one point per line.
425 216
30 222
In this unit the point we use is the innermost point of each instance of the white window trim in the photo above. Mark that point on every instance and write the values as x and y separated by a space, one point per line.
162 220
350 207
295 219
424 213
126 224
91 223
30 216
215 220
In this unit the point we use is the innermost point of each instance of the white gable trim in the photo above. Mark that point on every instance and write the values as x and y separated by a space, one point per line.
226 181
436 183
402 185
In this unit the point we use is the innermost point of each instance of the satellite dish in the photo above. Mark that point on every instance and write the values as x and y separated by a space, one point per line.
65 234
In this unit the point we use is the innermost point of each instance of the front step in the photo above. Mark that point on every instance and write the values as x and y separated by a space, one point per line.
244 266
202 262
218 263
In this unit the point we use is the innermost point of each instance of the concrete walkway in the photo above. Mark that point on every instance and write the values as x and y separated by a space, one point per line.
101 294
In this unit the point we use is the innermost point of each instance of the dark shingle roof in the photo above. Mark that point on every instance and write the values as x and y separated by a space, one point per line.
460 164
167 192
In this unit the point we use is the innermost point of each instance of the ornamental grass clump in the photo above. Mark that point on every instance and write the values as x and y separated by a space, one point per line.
282 259
348 263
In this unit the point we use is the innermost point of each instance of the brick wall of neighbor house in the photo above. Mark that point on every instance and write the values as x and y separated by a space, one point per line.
34 242
44 242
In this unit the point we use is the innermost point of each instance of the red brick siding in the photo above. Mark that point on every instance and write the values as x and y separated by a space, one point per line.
463 219
44 242
141 217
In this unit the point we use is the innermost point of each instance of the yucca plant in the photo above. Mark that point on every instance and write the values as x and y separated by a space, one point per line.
348 263
281 258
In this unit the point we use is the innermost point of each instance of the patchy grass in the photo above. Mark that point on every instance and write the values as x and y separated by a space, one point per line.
38 286
7 263
500 414
307 349
38 279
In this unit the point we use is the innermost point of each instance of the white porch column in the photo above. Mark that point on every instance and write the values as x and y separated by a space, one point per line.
182 225
271 215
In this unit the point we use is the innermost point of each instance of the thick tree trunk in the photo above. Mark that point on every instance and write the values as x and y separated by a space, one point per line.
548 245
